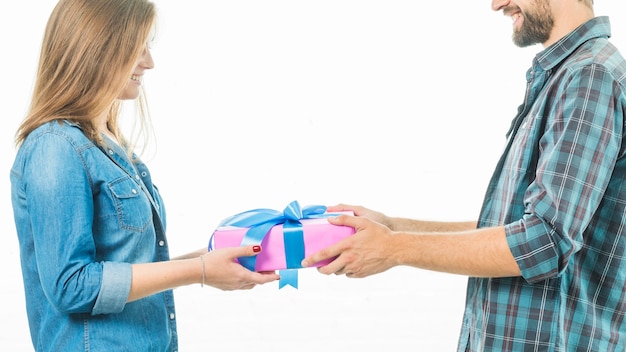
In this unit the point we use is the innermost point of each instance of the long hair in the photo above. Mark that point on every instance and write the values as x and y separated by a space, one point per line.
87 57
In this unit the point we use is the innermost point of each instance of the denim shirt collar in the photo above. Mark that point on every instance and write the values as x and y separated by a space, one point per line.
118 155
113 150
135 168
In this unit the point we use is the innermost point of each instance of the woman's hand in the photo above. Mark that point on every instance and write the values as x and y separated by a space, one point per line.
222 271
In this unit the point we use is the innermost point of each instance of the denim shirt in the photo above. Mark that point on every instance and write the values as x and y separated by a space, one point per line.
84 214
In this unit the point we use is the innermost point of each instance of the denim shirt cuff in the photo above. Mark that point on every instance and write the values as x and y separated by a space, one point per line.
116 280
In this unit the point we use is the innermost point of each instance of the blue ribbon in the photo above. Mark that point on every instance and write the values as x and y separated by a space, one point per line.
259 223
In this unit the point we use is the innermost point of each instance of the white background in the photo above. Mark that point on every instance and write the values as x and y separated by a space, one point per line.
400 106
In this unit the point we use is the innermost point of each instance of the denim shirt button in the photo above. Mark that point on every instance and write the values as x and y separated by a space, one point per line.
161 243
144 174
134 191
111 151
172 316
137 177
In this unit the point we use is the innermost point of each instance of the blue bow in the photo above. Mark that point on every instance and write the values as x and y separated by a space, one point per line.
259 223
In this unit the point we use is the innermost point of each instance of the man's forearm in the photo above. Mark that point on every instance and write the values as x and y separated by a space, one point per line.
410 225
479 253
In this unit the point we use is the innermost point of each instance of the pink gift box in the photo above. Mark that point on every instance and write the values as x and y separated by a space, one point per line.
318 234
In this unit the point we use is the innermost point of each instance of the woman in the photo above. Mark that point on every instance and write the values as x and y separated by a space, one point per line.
90 222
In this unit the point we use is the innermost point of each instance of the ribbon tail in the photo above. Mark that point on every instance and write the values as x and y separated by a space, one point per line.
288 277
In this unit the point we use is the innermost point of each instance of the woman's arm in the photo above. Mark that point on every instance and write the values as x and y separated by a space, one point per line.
217 268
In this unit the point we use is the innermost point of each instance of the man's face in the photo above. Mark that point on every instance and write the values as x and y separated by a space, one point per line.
532 20
536 25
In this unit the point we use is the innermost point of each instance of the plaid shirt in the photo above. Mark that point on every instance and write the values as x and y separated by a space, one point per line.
560 191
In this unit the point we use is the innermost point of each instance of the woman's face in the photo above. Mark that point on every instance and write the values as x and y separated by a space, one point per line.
143 63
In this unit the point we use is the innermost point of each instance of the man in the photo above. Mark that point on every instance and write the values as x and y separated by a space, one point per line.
546 259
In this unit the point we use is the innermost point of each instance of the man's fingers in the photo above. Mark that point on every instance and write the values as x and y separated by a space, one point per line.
344 220
334 250
338 207
326 253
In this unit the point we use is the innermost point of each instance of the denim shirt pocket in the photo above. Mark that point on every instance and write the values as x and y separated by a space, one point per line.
132 206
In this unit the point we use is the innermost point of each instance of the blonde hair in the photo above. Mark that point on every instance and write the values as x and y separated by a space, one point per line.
87 56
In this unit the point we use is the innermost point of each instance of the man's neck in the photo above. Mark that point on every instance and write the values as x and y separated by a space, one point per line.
567 17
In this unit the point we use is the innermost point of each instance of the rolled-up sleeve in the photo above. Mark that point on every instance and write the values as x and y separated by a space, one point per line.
116 280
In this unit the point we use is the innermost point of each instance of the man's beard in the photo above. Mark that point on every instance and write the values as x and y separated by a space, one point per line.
536 27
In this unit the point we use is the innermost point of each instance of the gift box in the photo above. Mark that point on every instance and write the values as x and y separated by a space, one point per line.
286 238
317 235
